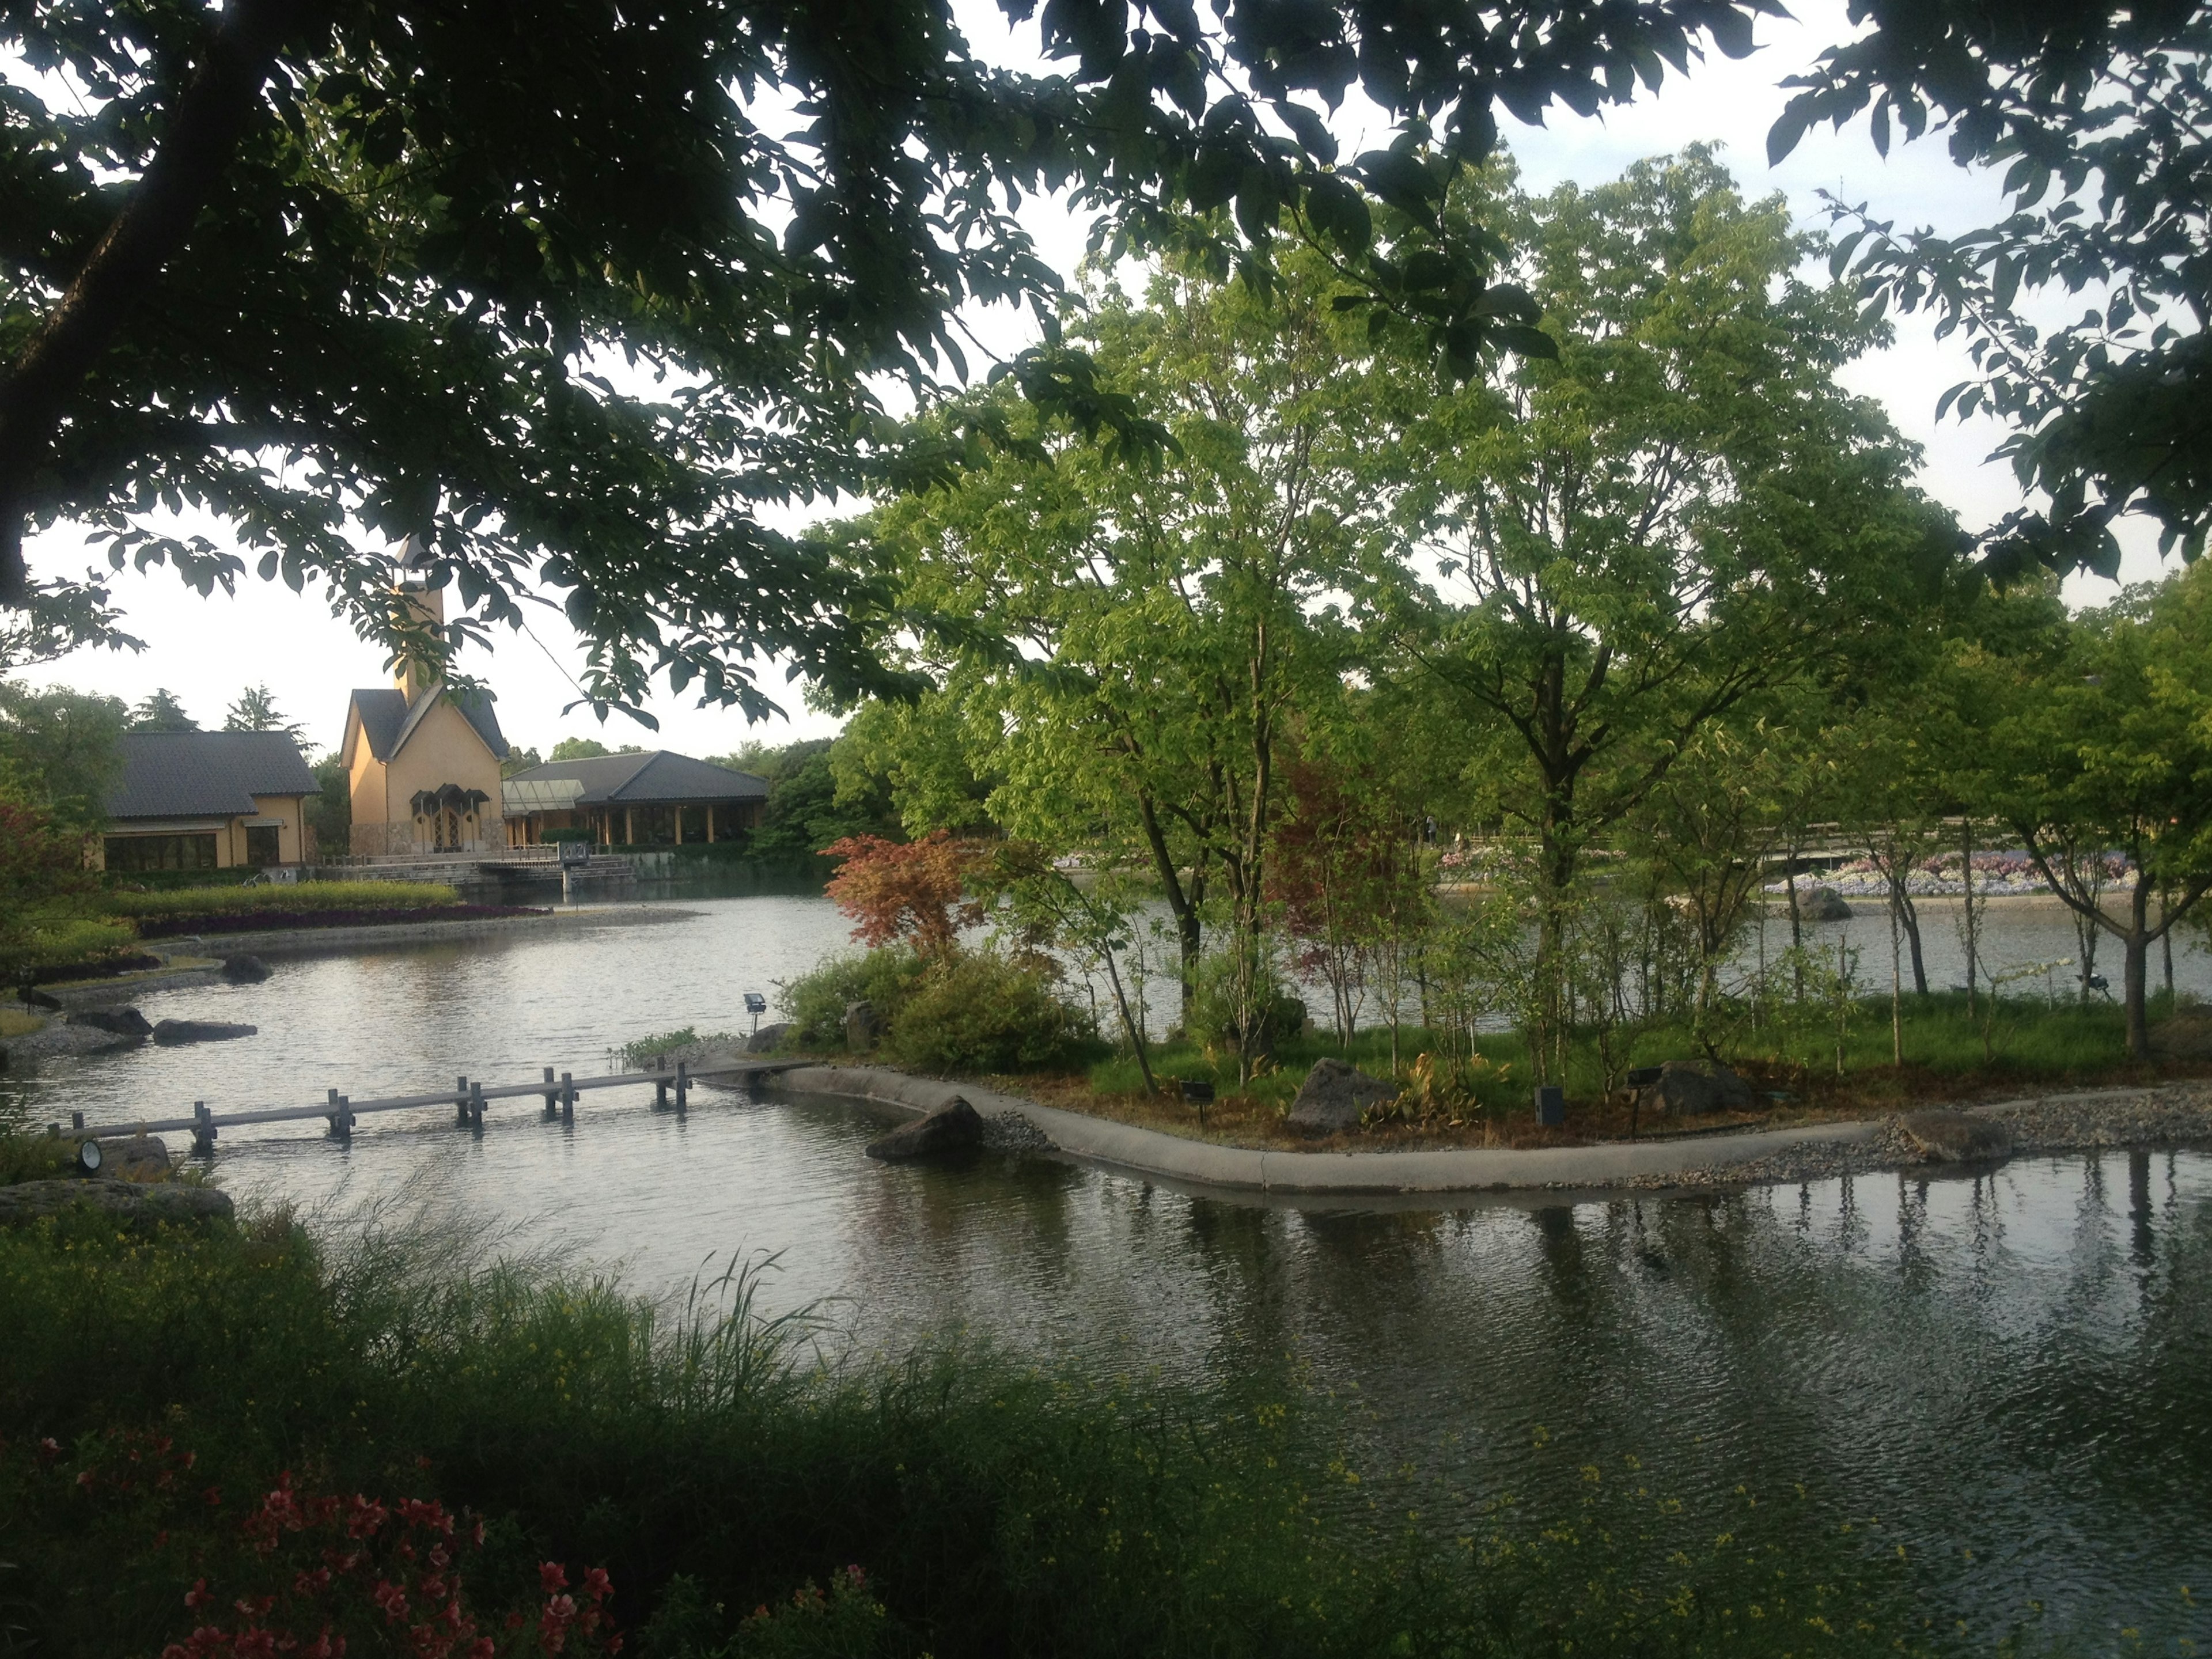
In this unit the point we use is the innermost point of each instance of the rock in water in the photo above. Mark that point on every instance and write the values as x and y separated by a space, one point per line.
131 1204
170 1032
245 970
1942 1136
768 1039
1333 1096
124 1022
862 1028
1823 904
1687 1090
952 1128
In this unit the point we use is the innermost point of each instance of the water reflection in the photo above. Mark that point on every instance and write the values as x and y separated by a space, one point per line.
2016 1364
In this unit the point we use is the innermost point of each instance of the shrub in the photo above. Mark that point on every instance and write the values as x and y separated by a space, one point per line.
76 940
1213 1020
975 1011
816 1001
302 896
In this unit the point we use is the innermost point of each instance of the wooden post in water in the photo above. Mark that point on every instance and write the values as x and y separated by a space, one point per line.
567 1098
683 1087
461 1101
552 1096
341 1117
476 1106
203 1129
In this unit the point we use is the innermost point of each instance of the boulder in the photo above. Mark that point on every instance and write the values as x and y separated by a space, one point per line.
954 1126
245 970
58 1036
132 1204
862 1029
1333 1096
768 1038
170 1032
1823 904
1685 1089
123 1022
134 1158
1942 1136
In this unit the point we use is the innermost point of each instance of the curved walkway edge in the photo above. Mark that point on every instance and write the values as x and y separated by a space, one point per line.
1149 1152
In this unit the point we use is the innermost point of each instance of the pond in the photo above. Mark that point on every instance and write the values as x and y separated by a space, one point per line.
2010 1376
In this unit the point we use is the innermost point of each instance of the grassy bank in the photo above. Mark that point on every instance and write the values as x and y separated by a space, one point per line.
226 1416
1951 1053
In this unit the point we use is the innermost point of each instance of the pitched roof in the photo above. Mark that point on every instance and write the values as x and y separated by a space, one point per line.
387 719
189 775
653 777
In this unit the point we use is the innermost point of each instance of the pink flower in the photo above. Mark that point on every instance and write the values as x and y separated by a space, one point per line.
552 1575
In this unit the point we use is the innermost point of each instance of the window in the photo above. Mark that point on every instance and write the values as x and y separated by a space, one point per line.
161 851
262 847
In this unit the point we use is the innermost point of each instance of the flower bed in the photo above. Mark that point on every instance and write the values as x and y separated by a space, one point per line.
260 920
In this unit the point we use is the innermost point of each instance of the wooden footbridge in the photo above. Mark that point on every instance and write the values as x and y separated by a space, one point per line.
469 1097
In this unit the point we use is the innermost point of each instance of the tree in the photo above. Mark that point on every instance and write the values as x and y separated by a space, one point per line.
583 749
159 711
330 809
1682 510
2101 117
256 711
2103 745
58 753
1170 628
43 881
292 261
520 760
911 892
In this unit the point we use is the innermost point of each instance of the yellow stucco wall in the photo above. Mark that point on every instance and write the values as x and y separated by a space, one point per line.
444 749
289 812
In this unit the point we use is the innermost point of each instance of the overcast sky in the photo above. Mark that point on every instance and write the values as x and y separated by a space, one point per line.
205 650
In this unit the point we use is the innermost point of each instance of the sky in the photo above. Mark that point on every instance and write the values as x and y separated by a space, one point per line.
205 651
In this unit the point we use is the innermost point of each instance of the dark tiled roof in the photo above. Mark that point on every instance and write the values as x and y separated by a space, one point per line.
387 721
651 778
197 775
382 714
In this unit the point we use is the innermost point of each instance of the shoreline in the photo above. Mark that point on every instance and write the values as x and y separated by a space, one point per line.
2165 1115
197 958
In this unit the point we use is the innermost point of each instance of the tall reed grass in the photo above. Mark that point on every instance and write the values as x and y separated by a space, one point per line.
716 1461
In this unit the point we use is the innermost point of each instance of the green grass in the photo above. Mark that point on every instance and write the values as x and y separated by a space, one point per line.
663 1042
2029 1040
78 938
705 1459
303 895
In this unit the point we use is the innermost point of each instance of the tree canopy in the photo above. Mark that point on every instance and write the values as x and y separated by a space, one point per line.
554 288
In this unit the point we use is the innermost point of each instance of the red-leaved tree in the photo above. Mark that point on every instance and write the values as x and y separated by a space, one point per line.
913 892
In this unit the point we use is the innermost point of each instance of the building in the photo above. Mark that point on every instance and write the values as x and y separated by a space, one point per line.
423 762
207 800
649 799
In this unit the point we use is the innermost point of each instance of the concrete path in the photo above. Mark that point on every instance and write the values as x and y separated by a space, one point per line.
1149 1152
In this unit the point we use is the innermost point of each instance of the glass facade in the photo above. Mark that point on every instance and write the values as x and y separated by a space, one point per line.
194 851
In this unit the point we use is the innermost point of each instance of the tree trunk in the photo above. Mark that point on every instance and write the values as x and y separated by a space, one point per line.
1967 875
209 118
2135 950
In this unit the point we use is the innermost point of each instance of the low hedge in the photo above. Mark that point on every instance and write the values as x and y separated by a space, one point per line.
300 897
256 921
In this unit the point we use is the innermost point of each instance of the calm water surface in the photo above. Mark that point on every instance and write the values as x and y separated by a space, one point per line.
2013 1374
